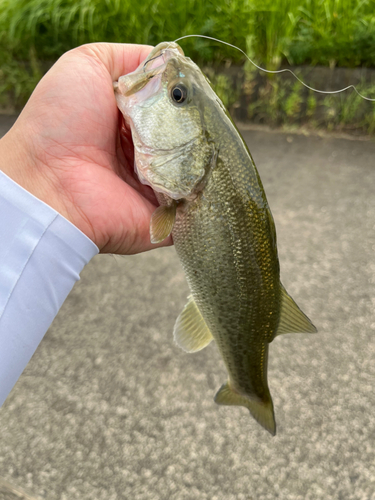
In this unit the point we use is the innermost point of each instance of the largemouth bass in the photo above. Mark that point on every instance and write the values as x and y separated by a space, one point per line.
212 200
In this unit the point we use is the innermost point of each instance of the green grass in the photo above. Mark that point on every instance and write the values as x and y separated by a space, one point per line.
284 102
54 26
273 33
325 32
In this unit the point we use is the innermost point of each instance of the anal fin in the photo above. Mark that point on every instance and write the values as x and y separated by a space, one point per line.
261 411
292 319
190 331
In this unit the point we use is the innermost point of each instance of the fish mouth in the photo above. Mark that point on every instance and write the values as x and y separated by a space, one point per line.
161 49
154 65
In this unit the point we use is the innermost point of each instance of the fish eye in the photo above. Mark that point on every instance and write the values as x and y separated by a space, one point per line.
179 93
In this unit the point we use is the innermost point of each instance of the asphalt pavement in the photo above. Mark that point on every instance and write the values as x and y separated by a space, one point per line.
110 408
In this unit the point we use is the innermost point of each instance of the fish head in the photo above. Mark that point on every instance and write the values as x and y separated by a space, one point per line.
163 101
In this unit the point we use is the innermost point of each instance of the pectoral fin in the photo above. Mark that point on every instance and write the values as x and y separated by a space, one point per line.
292 319
162 222
190 331
261 411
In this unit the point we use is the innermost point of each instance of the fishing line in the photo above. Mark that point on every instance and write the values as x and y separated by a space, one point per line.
152 59
286 70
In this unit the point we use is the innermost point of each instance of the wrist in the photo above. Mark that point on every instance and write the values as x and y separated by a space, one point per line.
18 160
18 163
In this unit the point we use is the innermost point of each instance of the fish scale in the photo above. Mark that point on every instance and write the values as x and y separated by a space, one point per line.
212 199
248 259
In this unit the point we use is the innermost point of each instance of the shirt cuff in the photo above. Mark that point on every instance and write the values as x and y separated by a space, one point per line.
41 256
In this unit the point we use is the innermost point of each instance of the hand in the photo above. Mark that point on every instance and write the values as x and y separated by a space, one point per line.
71 149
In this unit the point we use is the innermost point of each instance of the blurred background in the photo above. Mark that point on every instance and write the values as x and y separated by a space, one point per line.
336 37
109 407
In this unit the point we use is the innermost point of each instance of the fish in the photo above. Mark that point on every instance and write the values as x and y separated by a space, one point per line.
188 149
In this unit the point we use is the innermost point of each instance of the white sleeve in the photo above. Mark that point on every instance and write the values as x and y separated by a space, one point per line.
41 256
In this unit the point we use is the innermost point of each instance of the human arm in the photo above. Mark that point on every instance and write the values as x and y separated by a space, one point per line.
70 150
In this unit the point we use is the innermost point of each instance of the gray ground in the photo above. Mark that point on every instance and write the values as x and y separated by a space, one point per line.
110 408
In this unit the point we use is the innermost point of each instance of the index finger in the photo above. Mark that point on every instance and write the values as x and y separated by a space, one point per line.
118 58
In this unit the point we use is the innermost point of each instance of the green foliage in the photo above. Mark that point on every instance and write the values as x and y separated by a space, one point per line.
311 104
55 26
335 32
273 33
223 86
273 25
369 121
18 79
294 101
326 32
267 105
283 101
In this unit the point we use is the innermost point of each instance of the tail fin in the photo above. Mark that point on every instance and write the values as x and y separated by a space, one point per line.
261 411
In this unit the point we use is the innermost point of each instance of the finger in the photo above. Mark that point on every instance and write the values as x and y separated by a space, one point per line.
132 234
118 58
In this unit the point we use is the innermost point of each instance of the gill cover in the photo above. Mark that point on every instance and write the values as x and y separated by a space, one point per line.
160 104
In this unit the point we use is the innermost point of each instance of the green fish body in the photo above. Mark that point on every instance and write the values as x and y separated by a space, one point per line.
212 200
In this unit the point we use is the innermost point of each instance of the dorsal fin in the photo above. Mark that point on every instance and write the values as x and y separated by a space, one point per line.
292 319
190 331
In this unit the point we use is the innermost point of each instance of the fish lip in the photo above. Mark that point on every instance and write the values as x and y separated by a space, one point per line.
135 81
161 48
131 83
